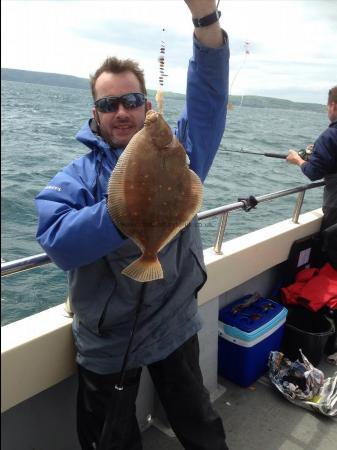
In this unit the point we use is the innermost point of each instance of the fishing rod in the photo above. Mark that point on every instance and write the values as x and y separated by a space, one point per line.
304 154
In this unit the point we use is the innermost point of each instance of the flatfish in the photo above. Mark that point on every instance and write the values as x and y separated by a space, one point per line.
152 194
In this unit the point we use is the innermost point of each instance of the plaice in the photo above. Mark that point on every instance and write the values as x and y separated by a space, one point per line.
152 194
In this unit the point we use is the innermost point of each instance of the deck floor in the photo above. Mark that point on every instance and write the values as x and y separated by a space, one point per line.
259 418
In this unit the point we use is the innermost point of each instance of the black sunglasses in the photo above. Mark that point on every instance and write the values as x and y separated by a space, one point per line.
129 101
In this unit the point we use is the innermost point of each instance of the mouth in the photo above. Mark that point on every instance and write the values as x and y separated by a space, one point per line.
123 127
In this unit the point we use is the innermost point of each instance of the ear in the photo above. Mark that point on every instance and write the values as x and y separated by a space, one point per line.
148 105
95 114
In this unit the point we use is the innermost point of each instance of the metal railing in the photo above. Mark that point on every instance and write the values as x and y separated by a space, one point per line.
32 262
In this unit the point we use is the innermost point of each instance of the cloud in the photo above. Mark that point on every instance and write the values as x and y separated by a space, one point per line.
291 52
292 47
143 39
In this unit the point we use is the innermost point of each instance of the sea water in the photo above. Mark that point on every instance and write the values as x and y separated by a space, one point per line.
38 125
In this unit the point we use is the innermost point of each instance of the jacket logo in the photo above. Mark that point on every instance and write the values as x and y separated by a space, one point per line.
53 188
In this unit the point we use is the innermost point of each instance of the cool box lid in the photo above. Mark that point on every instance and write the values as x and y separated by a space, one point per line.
248 340
251 316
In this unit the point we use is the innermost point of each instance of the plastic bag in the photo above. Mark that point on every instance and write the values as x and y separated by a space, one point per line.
303 384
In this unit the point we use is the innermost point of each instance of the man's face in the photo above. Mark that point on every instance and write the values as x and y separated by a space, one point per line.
117 128
332 111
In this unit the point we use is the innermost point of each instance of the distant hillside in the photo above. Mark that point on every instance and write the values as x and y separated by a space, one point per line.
269 102
54 79
51 79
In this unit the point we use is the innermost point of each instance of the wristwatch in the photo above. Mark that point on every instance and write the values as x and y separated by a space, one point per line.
207 20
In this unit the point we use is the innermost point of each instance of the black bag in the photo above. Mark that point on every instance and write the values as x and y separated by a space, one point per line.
329 247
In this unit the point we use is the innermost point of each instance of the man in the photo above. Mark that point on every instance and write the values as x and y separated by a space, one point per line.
323 162
77 232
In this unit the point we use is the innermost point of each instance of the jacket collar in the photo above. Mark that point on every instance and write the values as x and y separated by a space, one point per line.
88 135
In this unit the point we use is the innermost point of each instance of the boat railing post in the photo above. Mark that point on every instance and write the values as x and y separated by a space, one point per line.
298 206
220 233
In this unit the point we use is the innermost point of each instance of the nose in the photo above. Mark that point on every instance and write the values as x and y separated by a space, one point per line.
121 111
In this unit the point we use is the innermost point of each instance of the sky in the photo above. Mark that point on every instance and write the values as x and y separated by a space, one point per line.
292 43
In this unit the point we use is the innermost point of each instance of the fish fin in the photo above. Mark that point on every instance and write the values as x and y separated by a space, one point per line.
116 196
171 236
197 189
143 270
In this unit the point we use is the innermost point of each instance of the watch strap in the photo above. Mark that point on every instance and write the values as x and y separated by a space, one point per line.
207 20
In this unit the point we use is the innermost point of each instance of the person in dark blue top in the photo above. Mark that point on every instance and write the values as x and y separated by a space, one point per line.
322 162
76 231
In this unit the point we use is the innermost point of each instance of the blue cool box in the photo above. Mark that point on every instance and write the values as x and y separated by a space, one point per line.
247 333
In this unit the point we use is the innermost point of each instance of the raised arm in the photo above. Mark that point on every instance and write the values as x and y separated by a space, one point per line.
211 35
202 124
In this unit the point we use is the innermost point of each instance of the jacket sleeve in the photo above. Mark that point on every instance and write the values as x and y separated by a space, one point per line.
324 157
73 229
202 124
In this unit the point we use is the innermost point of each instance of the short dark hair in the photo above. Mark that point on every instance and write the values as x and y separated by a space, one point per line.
332 96
116 65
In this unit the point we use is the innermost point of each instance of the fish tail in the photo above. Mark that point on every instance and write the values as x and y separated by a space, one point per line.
143 270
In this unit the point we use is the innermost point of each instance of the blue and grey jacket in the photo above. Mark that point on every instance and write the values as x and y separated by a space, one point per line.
323 164
77 233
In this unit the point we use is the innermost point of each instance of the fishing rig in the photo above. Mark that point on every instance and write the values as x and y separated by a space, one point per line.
162 74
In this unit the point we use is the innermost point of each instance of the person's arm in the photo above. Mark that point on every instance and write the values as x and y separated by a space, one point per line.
73 229
322 160
210 36
202 123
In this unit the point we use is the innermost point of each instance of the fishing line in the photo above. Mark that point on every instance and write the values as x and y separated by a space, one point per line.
247 52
